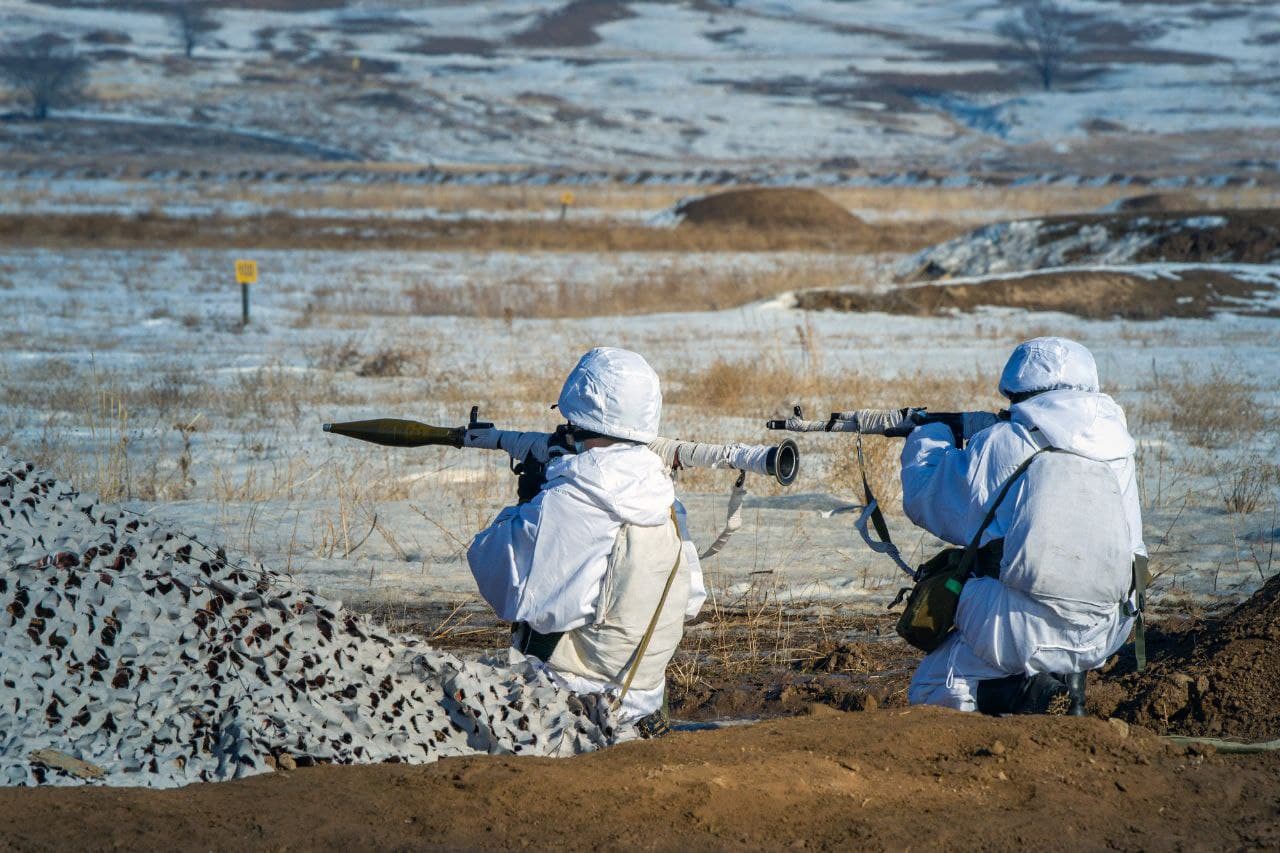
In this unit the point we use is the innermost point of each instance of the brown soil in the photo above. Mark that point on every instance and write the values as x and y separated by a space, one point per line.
1160 202
281 231
769 208
1095 295
1248 237
921 777
1220 678
572 25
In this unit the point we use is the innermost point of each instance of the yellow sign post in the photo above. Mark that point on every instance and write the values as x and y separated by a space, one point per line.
246 274
566 199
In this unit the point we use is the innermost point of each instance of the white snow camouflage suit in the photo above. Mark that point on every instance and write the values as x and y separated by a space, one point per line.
1002 630
553 563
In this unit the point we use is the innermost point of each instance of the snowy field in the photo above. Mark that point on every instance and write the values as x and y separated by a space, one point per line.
822 84
127 373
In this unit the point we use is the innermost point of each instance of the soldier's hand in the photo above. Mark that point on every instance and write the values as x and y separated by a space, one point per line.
531 476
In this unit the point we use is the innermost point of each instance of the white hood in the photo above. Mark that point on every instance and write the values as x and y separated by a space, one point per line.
613 392
1043 364
1085 422
627 481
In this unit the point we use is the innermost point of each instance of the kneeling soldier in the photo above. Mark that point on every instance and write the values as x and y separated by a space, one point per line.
594 567
1054 484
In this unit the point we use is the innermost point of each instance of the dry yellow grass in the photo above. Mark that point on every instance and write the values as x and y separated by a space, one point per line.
681 286
278 230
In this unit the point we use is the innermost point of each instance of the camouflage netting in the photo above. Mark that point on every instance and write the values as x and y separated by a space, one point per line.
128 645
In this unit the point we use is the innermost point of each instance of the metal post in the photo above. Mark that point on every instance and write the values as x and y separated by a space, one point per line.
244 303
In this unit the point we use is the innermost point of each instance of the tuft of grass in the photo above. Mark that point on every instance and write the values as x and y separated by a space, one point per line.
1245 486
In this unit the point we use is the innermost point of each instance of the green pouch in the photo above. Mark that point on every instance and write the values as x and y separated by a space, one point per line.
930 613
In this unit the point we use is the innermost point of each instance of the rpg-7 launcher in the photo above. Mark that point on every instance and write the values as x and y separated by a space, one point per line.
891 422
782 461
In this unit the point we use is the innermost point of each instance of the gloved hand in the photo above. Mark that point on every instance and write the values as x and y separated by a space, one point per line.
531 476
910 419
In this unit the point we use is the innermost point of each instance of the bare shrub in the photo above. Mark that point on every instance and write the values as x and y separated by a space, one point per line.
1245 486
192 22
1212 412
385 362
46 71
335 356
1041 33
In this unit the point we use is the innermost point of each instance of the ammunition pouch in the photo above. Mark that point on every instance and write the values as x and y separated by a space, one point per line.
930 614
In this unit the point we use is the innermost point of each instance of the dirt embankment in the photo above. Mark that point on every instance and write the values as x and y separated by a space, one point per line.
1094 294
1240 236
920 777
769 209
1220 678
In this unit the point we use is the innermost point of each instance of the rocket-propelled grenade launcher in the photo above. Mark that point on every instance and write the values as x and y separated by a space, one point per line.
781 461
890 422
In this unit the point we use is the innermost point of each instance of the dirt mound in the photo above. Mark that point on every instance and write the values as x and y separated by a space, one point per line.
768 208
1122 237
1095 294
1221 679
1157 202
919 777
572 25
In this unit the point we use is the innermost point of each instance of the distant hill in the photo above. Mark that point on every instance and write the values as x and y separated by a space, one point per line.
612 83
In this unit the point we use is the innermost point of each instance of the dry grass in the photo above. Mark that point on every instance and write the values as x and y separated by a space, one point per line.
1218 410
680 287
968 204
280 231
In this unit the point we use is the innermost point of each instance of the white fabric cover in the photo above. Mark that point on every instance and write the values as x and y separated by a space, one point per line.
1068 545
1044 364
544 562
613 392
1002 630
639 566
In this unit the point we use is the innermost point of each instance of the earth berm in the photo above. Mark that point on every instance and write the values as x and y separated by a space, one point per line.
893 778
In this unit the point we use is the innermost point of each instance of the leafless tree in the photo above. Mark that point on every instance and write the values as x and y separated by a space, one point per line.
46 71
192 22
1040 29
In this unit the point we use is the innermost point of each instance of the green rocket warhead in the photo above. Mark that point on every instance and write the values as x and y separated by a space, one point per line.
398 432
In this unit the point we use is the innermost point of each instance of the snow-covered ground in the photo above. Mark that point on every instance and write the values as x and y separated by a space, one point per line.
129 367
802 81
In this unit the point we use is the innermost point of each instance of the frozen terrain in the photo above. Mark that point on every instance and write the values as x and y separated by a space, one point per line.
127 371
